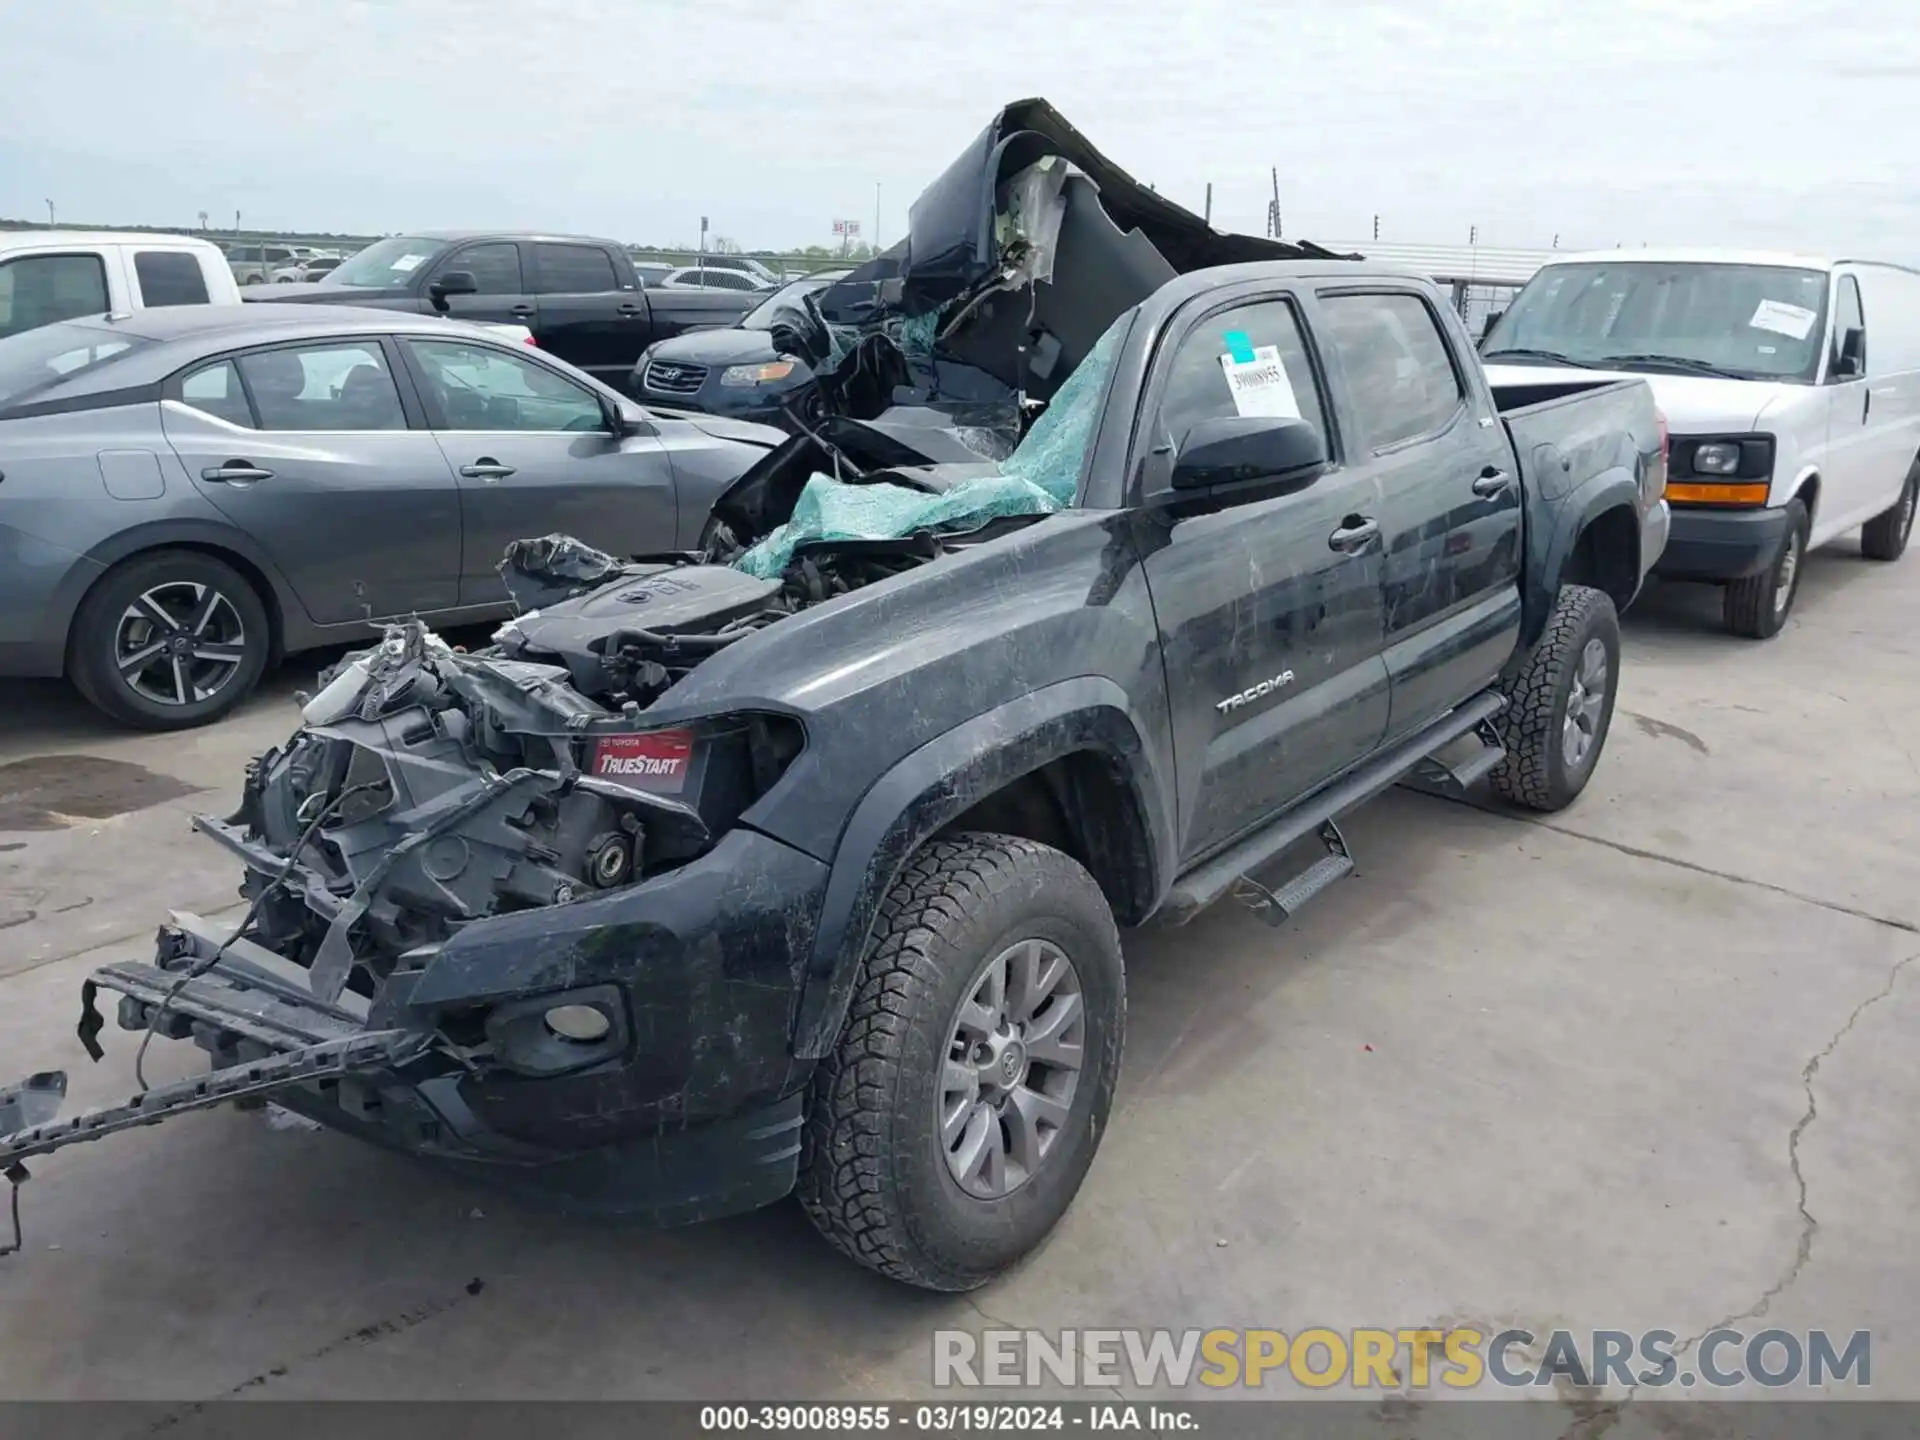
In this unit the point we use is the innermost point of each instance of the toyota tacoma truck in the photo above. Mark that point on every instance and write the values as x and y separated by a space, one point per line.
801 864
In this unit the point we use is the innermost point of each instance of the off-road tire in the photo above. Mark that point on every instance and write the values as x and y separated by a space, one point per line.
1885 536
1747 606
873 1175
1536 774
90 642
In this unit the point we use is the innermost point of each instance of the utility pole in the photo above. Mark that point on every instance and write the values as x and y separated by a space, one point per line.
1274 214
236 222
1473 235
50 220
1376 227
1208 216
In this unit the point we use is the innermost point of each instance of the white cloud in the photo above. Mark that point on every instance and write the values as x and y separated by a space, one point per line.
1718 121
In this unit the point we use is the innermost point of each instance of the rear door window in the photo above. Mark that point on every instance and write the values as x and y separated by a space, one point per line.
216 391
333 387
574 270
1397 365
169 277
38 290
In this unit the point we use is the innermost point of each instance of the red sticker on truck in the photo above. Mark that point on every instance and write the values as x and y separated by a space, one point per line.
656 761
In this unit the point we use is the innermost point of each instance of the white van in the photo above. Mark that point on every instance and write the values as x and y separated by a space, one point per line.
1791 388
49 275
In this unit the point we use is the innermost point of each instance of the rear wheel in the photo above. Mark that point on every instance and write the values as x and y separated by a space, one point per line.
1560 704
1757 607
169 640
953 1123
1885 536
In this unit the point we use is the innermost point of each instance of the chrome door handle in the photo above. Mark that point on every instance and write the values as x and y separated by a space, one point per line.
1492 483
486 470
235 472
1353 535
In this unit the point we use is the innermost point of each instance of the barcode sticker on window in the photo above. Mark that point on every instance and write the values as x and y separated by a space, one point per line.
1260 386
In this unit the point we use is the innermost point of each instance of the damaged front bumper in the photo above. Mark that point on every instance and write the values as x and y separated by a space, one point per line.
680 1102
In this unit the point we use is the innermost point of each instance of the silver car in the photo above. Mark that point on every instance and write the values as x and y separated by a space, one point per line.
188 494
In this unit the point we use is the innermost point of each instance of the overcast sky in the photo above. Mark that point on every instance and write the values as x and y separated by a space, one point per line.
1763 122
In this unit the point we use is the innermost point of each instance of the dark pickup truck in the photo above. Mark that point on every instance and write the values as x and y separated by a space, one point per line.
801 863
579 296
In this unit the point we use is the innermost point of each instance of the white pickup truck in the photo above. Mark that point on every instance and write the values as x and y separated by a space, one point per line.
50 275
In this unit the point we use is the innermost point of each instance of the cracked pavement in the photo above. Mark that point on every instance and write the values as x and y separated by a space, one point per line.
1648 1064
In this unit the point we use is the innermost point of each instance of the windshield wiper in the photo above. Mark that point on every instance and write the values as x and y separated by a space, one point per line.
1679 363
1554 355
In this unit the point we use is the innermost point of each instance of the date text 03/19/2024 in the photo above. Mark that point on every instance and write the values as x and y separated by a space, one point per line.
945 1419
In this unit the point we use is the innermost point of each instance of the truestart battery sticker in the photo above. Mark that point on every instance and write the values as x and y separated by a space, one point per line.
656 762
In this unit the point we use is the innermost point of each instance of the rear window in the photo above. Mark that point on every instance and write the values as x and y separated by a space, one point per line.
169 277
38 290
574 270
39 358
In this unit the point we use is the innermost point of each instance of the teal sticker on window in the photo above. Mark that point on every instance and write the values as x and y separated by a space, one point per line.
1239 347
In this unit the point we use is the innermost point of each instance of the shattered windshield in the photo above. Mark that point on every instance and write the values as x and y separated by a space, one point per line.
1740 321
1042 475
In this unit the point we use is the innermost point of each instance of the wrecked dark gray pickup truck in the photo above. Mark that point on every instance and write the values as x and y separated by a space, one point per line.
800 864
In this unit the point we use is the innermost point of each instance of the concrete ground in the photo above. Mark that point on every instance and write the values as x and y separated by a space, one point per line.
1640 1065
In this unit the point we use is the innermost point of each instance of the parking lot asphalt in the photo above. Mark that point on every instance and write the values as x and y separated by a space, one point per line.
1645 1064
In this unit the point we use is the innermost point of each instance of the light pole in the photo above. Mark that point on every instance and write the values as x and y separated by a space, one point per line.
50 220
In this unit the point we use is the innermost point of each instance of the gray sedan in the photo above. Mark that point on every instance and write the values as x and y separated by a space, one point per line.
188 494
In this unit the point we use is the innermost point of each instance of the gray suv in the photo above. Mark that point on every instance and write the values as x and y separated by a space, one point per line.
188 494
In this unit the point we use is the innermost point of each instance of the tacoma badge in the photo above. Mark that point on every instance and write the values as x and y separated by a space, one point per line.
1245 697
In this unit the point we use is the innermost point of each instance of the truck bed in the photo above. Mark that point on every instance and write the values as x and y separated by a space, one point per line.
1565 431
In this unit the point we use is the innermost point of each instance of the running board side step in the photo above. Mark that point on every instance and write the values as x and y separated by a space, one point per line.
1276 907
1452 779
1214 879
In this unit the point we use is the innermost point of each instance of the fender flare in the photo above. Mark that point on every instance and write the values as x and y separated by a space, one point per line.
166 534
1569 518
941 780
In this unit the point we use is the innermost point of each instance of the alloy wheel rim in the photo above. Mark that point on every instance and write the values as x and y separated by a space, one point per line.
1011 1069
1586 702
179 644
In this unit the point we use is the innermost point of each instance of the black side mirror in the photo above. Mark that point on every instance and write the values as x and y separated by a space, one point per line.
1234 448
453 282
1851 363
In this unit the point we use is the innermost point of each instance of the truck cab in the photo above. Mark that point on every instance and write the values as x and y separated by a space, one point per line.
52 275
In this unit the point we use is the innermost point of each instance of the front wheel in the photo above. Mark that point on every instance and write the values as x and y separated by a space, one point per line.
960 1109
1757 607
1560 704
